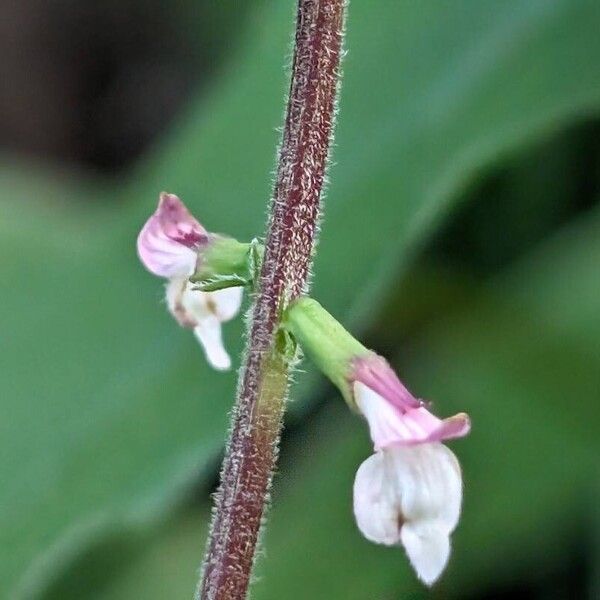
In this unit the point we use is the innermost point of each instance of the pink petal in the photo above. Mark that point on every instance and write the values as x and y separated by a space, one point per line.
389 426
169 241
434 429
375 372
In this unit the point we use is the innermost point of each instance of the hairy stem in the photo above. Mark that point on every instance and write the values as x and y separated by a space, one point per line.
252 450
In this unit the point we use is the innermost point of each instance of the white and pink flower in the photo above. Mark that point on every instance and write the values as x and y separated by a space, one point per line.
170 245
410 491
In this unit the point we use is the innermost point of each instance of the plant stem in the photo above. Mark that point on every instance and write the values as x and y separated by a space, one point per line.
257 417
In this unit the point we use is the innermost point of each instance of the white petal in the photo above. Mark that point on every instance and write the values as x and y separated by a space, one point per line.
386 425
227 302
200 311
428 478
411 494
428 551
197 304
208 332
222 304
175 291
376 505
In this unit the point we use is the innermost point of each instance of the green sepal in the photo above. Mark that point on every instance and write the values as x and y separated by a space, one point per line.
325 341
255 259
220 282
226 263
286 345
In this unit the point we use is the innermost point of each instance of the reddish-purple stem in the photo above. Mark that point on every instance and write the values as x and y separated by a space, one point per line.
252 450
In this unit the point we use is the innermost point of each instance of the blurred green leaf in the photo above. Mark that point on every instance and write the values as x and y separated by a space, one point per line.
109 412
529 465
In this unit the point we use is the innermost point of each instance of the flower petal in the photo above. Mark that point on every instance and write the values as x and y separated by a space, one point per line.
386 422
227 302
175 290
203 312
437 430
412 495
168 243
428 554
376 507
390 426
428 479
222 304
208 333
375 372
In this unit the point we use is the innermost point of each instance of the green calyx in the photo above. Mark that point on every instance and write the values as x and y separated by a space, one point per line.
325 341
225 263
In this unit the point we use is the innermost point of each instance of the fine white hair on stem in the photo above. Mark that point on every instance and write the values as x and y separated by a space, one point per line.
292 230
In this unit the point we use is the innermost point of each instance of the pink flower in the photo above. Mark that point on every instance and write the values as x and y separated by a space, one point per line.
170 245
169 242
410 491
